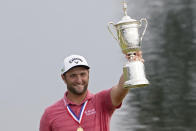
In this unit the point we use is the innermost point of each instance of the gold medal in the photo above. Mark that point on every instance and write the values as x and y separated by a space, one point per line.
80 129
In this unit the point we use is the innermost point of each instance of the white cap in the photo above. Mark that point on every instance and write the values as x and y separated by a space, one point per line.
73 61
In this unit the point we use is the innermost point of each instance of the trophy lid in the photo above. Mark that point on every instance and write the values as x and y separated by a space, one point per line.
126 18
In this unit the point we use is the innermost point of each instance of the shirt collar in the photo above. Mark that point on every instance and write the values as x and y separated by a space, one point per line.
69 102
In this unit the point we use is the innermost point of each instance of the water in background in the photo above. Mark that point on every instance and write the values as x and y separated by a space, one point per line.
169 50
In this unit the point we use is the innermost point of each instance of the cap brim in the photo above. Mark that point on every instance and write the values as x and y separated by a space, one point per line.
87 67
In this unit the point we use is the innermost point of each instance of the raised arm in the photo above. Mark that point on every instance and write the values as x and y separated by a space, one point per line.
118 92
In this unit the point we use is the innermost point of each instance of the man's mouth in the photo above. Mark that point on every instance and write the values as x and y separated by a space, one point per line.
79 86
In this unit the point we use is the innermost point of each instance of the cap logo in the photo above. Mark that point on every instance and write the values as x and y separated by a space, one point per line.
75 60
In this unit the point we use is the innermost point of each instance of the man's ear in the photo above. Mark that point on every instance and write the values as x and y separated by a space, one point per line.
63 77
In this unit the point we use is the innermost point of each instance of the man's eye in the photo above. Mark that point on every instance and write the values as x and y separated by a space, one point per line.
72 75
83 74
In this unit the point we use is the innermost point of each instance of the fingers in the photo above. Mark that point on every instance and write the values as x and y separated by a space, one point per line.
127 56
137 56
139 53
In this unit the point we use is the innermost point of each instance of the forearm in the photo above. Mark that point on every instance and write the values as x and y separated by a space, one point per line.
118 92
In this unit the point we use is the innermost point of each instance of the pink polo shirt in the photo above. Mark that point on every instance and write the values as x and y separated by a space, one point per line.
96 116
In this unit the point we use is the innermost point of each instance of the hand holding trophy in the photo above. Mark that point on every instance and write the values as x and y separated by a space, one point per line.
130 42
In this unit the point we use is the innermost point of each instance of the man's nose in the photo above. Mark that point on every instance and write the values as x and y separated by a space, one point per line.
79 79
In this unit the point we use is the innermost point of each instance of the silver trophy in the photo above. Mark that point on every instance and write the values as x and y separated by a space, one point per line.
129 38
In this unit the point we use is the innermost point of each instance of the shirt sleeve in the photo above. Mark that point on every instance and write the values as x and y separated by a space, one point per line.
105 101
44 123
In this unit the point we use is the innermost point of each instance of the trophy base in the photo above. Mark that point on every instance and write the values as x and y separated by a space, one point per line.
136 83
134 75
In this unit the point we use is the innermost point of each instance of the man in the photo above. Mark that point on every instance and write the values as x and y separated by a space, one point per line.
79 110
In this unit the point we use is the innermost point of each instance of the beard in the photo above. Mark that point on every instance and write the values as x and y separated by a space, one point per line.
75 91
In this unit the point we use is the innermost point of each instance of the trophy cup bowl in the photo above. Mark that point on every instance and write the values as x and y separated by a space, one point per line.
129 39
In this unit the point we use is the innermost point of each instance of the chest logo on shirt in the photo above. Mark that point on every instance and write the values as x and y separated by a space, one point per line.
90 112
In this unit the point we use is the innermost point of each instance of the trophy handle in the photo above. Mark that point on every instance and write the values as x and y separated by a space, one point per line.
111 23
146 24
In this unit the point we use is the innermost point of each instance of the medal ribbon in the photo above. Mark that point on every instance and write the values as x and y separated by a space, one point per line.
73 115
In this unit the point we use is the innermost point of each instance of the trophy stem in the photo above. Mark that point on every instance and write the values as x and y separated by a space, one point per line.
131 55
